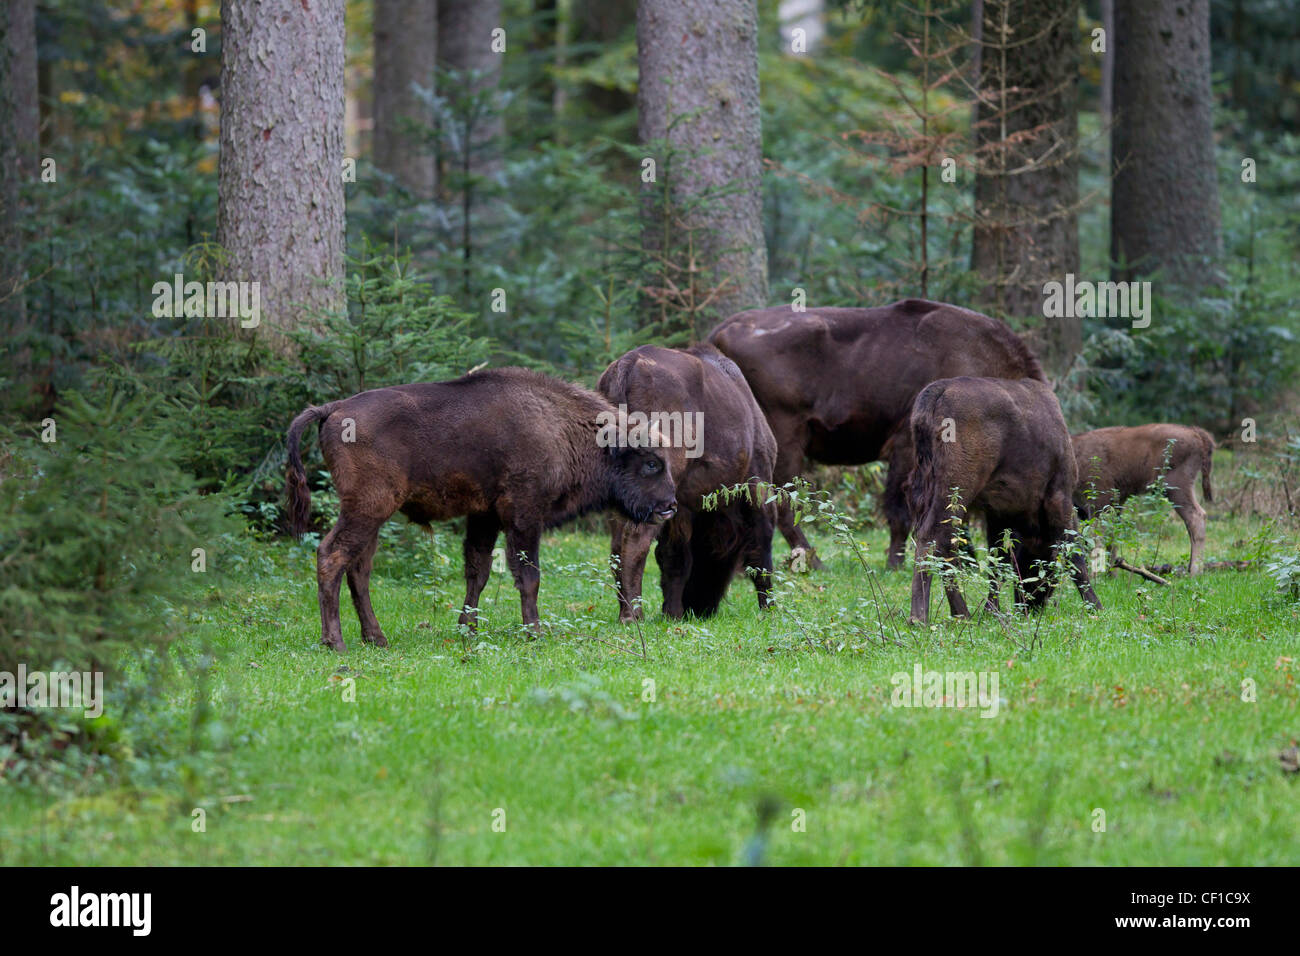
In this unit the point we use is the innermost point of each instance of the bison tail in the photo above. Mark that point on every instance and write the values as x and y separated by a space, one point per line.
299 510
1207 462
920 484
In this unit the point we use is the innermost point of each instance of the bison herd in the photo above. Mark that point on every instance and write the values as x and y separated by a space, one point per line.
953 400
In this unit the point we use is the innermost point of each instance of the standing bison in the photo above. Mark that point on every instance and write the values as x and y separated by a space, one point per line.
1004 448
1117 463
838 384
722 440
508 448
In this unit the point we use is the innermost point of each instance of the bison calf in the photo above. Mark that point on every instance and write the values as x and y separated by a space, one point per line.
722 440
510 449
999 447
1117 463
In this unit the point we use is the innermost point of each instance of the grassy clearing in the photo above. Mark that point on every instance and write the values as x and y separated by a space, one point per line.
1137 712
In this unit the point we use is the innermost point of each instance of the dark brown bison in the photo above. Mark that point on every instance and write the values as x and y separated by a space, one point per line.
1004 447
722 440
1116 463
838 384
508 448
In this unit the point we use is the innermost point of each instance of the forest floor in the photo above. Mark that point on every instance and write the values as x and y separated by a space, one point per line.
1119 738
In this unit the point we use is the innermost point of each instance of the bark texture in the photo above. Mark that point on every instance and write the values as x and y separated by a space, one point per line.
698 92
406 55
1165 196
280 205
1027 191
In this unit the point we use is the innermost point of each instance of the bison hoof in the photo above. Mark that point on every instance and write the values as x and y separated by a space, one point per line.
378 640
334 644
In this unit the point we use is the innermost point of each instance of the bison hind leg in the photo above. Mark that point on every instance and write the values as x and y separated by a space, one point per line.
359 587
1183 497
894 500
340 551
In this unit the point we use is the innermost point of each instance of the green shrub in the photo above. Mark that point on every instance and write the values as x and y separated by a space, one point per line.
97 532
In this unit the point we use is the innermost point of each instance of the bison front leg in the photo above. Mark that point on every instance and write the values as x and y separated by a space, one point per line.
1061 507
674 556
630 545
757 551
795 537
789 462
998 554
481 532
894 501
524 545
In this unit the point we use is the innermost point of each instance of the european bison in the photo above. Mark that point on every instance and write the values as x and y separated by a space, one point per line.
1116 463
837 384
508 448
724 440
1005 448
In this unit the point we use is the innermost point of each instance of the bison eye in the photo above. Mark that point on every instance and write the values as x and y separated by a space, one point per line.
650 466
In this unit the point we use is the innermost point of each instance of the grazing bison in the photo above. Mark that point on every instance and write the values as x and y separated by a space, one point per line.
508 448
1116 463
838 384
724 440
1005 448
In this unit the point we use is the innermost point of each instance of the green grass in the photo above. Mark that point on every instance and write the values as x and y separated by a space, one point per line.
1137 711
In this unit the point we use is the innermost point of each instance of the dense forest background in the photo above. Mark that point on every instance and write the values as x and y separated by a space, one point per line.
493 204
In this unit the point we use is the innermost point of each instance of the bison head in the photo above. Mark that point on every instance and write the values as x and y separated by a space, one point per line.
642 486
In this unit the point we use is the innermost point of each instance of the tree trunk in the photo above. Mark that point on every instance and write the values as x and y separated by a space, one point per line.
280 188
698 94
406 54
1165 197
1027 190
20 121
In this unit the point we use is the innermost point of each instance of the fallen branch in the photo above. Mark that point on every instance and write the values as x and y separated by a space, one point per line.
1141 572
